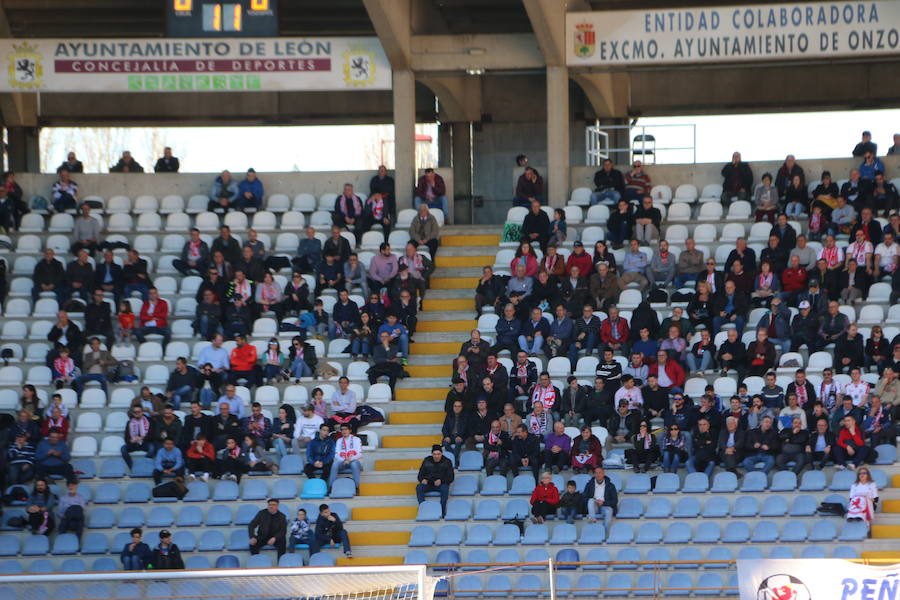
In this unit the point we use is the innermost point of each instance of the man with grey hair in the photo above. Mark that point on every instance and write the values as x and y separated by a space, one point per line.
731 445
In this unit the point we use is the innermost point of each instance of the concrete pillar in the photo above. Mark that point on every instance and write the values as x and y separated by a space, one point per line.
462 172
24 151
404 137
557 135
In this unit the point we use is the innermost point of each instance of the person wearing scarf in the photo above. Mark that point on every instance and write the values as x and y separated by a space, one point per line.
270 297
375 213
137 436
587 452
348 211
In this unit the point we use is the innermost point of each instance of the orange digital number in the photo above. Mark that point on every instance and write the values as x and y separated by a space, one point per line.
184 5
259 4
237 16
217 17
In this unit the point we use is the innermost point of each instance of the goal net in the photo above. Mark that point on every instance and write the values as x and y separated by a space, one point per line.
319 583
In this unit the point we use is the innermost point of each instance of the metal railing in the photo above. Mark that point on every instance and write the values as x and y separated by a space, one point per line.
643 143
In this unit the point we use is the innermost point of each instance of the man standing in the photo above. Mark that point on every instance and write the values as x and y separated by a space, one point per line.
167 163
435 475
738 180
268 528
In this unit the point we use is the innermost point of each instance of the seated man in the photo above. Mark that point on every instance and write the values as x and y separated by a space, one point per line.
435 475
194 255
731 444
398 334
154 318
86 232
138 435
166 163
730 307
761 446
169 462
386 361
224 193
347 455
250 192
309 253
126 164
609 184
557 449
268 528
319 454
525 452
49 276
634 267
52 457
601 498
533 333
661 270
330 529
243 361
423 230
794 442
432 191
80 275
65 193
383 267
348 212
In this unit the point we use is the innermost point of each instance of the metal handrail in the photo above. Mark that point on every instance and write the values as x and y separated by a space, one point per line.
596 152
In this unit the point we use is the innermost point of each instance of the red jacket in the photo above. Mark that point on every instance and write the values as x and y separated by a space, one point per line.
63 428
844 436
606 330
793 280
673 370
531 265
585 264
243 358
547 493
160 313
207 452
438 188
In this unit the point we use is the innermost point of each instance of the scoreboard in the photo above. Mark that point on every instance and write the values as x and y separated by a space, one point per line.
208 18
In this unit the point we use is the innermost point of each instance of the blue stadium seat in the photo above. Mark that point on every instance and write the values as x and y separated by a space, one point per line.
113 468
794 531
239 540
822 530
104 564
716 508
695 483
295 560
219 589
185 540
458 510
528 586
471 460
245 514
65 544
803 506
845 552
229 561
853 531
343 487
592 533
479 535
449 535
813 552
464 485
536 534
507 556
94 543
678 533
622 533
106 493
745 506
658 508
189 516
754 481
659 555
477 557
749 553
190 589
638 483
130 517
423 535
218 515
98 590
290 464
226 491
198 491
259 561
487 510
430 510
159 589
736 532
467 586
160 516
708 532
842 480
128 591
783 481
630 508
516 508
197 563
646 585
588 585
137 493
596 555
493 485
10 567
536 555
254 489
781 552
648 533
211 541
413 557
667 483
563 533
507 535
887 454
497 586
718 553
142 467
812 481
687 508
565 555
70 565
708 584
36 545
689 553
724 482
9 545
618 584
119 541
84 468
445 557
522 485
765 532
774 506
41 566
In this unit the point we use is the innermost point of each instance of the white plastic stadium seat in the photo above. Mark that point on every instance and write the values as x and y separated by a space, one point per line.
118 205
703 234
759 232
304 203
731 232
145 204
677 234
405 218
580 197
320 219
264 220
589 237
149 222
172 203
293 221
710 211
871 314
739 211
197 204
597 215
119 223
680 211
573 215
661 194
686 192
207 221
326 201
278 203
711 191
237 221
516 214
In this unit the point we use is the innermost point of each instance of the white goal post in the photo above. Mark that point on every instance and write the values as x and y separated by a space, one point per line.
390 582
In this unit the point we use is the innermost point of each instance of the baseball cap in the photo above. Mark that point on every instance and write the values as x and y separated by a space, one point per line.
804 304
165 533
578 243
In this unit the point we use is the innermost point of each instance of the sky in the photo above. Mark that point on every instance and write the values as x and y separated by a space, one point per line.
358 147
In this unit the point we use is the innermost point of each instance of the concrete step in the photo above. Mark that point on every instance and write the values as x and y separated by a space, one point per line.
466 302
398 464
419 395
452 292
440 370
429 348
451 241
457 337
453 283
474 258
388 488
423 441
447 325
434 417
455 272
367 561
886 531
384 513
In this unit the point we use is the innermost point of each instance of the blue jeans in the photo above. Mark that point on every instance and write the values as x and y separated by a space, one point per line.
206 397
692 467
602 512
784 344
147 447
361 346
439 202
181 396
299 368
403 340
308 539
137 287
242 203
749 463
705 361
208 328
568 513
793 209
340 467
271 371
684 278
281 448
670 461
534 347
618 236
132 563
79 382
443 489
719 321
589 344
606 196
455 449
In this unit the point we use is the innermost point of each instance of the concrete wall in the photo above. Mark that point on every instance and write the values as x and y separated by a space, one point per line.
188 184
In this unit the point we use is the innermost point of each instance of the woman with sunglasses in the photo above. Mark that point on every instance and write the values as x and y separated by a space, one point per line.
863 498
674 450
646 449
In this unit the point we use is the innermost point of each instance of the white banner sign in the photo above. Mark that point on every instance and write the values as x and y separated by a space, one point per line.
816 579
733 33
194 65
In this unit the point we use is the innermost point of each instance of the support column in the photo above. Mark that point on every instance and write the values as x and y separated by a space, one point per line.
24 150
405 137
557 135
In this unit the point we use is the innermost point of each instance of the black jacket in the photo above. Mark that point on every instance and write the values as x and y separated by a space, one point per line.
830 439
265 525
73 335
612 179
529 448
166 561
492 289
740 440
97 317
230 249
459 423
115 272
49 272
632 422
704 445
739 303
431 471
166 165
742 171
193 426
768 438
536 223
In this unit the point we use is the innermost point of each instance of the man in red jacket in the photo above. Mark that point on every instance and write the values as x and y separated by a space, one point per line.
154 318
243 361
793 280
614 330
669 373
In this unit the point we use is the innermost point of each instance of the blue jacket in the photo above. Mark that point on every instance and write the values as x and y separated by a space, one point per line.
142 550
231 187
41 456
320 450
254 187
508 331
529 328
564 330
173 458
610 495
348 312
